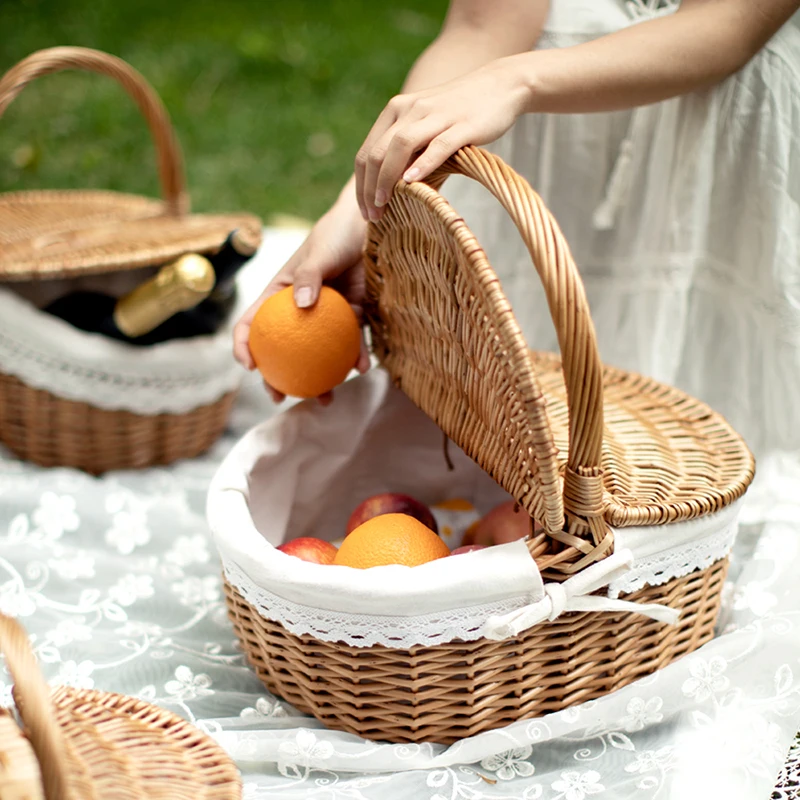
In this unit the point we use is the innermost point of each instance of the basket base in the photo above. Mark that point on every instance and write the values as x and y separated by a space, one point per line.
50 431
448 692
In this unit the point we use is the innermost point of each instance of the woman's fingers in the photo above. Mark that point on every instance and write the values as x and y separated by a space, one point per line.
437 152
402 142
363 364
307 282
277 397
387 118
388 152
241 331
241 350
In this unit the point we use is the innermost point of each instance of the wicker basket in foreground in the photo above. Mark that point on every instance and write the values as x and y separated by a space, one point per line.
90 745
582 447
52 235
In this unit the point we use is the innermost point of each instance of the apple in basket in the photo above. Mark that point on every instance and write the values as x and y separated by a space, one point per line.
467 548
501 525
391 503
307 548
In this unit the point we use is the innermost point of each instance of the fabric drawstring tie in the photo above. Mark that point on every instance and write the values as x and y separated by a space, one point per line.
575 594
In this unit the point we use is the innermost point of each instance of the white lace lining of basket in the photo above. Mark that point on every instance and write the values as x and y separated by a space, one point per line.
175 377
676 562
364 630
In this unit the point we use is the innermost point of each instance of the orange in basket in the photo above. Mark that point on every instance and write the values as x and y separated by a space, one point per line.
305 352
390 539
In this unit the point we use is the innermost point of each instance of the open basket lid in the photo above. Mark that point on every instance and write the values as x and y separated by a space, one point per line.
92 745
62 234
581 446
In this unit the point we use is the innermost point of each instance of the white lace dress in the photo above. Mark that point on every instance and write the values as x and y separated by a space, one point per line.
684 219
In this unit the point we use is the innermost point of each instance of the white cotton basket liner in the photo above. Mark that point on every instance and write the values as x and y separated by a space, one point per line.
173 377
303 472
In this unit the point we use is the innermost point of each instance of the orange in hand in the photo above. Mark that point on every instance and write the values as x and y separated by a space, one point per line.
305 352
390 539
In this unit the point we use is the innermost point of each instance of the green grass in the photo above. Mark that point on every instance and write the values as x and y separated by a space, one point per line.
270 100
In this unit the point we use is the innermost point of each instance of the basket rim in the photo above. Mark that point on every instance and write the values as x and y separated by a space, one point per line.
62 770
107 231
246 538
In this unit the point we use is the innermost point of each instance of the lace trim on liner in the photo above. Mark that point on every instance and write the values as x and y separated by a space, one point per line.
365 630
174 377
657 569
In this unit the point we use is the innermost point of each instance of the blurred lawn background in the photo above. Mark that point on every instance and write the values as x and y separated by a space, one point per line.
270 98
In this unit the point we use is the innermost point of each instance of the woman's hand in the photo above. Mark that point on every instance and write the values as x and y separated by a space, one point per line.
418 132
331 254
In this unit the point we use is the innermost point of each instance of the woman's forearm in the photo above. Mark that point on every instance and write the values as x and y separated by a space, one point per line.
459 49
475 33
698 46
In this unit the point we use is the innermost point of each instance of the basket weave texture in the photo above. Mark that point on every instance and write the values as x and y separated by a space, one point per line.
46 235
581 446
88 745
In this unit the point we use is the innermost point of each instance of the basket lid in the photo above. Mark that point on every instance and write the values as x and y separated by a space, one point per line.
90 743
63 234
58 234
582 447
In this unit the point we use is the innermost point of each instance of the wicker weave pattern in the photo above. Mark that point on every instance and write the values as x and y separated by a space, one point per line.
666 456
56 59
444 330
50 431
55 234
19 770
450 691
94 745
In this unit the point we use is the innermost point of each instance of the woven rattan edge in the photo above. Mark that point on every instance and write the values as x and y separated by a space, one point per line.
51 431
446 692
204 760
27 253
618 514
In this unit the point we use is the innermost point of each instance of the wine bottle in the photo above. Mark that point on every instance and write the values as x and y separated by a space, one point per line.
191 296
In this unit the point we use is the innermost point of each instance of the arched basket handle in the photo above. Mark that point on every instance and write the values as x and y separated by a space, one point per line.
572 512
56 59
35 708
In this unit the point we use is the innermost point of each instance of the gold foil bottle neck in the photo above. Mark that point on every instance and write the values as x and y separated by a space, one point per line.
175 287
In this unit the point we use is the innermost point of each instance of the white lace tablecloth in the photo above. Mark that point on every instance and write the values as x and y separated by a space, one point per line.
118 584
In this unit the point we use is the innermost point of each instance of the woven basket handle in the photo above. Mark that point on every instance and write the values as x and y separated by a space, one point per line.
56 59
583 369
33 701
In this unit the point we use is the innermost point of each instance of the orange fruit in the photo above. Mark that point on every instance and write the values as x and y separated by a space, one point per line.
305 352
390 539
455 504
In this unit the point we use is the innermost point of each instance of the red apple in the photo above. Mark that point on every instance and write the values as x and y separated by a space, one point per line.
500 526
391 503
317 551
468 548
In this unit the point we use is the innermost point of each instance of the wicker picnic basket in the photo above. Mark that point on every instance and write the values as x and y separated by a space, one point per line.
55 235
78 744
585 450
